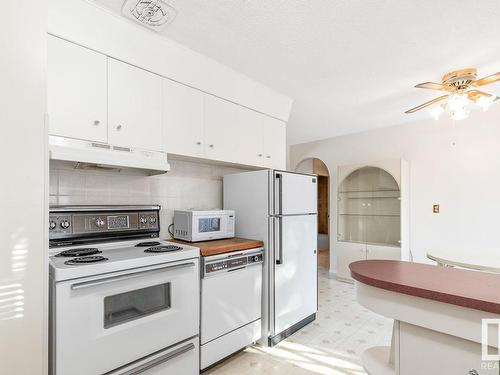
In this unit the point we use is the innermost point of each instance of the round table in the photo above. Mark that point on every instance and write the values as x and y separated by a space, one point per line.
481 260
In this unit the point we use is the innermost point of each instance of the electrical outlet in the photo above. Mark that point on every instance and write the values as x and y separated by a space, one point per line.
435 208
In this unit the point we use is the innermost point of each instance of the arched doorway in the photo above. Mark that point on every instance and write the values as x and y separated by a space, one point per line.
319 168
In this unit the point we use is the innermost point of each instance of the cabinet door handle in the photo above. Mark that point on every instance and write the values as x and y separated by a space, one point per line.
198 143
119 127
97 122
259 155
268 156
211 146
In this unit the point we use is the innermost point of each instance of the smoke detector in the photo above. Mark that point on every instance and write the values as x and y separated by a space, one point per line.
154 14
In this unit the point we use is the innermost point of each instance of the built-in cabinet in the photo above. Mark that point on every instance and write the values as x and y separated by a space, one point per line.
77 91
134 107
183 109
97 98
203 125
372 213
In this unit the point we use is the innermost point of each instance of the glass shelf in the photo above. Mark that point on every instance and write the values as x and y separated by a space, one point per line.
395 245
369 208
370 191
374 215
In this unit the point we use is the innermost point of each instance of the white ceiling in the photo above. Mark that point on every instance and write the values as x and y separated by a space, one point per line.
349 65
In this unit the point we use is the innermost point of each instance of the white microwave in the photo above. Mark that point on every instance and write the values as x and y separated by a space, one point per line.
193 225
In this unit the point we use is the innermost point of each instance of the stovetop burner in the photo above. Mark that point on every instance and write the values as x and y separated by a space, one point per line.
148 244
79 252
86 260
163 249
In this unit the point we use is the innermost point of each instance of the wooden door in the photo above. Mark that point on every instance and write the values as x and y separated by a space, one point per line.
76 91
323 207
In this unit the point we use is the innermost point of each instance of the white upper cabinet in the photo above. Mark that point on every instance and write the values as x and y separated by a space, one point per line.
134 107
93 97
249 139
221 130
183 119
274 143
76 91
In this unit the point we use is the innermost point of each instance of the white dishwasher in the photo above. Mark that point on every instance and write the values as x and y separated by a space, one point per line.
231 290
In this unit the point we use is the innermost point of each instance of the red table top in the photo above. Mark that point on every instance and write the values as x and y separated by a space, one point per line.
471 289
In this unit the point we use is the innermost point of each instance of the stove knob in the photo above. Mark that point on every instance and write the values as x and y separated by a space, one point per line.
99 223
152 220
64 224
52 225
143 220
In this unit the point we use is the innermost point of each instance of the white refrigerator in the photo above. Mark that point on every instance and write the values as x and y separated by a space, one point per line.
280 208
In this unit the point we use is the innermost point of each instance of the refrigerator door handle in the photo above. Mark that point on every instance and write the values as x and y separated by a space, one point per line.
278 199
278 239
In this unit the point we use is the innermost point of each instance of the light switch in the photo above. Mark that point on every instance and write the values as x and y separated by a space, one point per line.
435 208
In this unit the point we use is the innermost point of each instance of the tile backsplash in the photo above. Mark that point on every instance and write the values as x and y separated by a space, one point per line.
187 185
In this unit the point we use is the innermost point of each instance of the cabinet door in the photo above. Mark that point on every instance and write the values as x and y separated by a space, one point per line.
76 91
274 133
134 107
248 140
348 252
221 130
183 119
383 252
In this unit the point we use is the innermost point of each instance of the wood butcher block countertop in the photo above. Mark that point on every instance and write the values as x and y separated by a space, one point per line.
227 245
470 289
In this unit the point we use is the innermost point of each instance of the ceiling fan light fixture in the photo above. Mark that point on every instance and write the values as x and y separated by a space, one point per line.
460 114
436 111
460 86
485 102
457 102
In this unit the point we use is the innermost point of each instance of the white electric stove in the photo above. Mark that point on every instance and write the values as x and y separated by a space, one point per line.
119 295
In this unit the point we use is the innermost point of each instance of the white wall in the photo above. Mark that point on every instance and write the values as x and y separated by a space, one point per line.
187 185
23 165
84 23
454 164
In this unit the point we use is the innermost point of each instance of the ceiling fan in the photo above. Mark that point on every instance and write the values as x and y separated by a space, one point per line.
460 87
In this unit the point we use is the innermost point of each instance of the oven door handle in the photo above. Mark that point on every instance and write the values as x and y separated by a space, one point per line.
112 279
157 361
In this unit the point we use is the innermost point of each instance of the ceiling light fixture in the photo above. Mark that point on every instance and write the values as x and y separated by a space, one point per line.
154 14
460 85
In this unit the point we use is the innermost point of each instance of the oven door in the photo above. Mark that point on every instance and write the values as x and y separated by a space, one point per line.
107 321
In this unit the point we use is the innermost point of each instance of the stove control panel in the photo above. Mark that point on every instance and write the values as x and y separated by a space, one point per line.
116 222
232 263
60 225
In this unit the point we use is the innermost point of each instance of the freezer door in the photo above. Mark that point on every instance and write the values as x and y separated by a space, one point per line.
294 193
295 274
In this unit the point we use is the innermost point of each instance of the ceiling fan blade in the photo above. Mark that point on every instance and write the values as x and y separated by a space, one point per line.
474 94
427 104
431 86
487 80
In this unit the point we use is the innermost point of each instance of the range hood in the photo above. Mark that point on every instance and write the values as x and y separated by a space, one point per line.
87 154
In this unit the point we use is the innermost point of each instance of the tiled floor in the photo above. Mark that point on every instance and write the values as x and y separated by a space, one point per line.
331 345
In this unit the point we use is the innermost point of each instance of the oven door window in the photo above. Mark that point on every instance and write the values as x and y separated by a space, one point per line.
136 304
209 224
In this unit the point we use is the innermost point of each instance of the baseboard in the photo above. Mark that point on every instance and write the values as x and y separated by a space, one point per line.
290 331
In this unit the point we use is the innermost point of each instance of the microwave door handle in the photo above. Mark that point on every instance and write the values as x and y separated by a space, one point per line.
133 275
278 239
156 361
